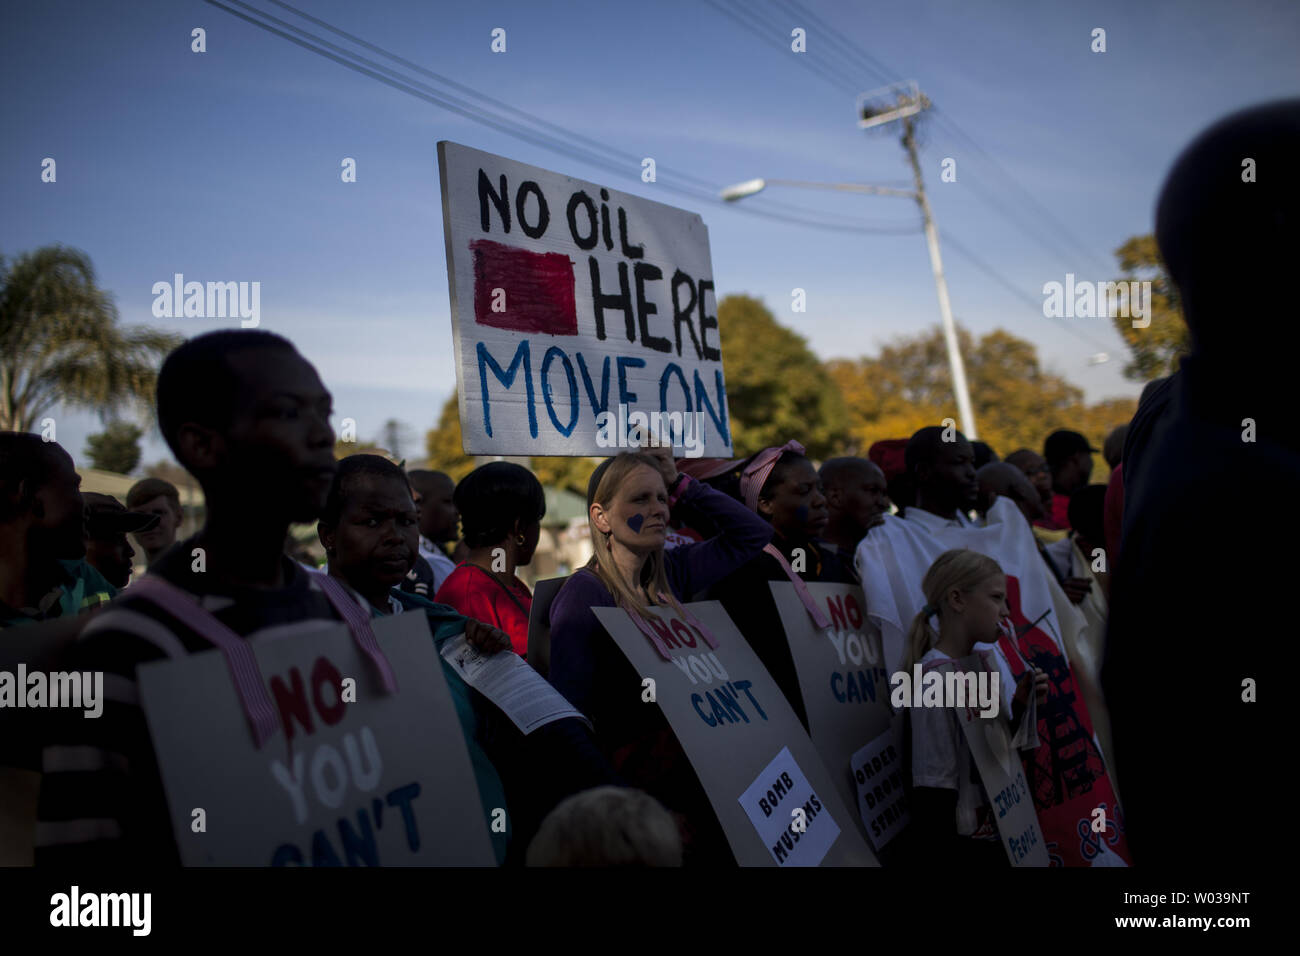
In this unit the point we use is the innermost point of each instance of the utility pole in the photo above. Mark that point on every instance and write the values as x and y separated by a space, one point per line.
955 364
902 101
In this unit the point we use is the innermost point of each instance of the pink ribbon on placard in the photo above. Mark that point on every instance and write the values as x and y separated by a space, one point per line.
644 627
801 589
755 474
238 653
696 623
359 624
253 697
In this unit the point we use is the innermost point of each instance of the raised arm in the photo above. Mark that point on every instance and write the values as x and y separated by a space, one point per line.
694 567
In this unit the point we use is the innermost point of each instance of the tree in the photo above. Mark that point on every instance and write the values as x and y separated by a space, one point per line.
1157 348
444 445
777 388
393 437
116 448
568 473
1016 402
60 342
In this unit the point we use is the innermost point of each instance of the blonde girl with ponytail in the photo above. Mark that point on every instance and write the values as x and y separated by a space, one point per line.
966 604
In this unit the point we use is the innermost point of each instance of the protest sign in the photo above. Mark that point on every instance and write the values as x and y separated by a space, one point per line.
733 723
1000 770
584 318
1067 774
878 770
539 623
842 677
384 780
792 842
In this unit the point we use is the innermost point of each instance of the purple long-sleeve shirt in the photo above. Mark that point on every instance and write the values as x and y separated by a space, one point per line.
583 657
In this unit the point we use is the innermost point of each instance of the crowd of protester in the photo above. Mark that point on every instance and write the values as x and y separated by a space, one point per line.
248 416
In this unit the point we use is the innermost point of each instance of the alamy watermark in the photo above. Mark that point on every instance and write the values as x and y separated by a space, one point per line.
652 430
948 689
215 300
77 909
1093 300
73 689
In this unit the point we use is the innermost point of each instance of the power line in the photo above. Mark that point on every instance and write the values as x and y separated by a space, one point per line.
477 114
738 13
840 44
844 47
1006 283
616 160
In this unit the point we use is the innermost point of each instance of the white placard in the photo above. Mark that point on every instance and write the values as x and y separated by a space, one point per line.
576 308
788 814
882 803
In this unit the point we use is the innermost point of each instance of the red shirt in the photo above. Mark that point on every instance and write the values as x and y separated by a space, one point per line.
479 594
1059 517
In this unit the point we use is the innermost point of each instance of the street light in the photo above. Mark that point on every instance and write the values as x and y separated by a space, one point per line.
900 101
751 186
741 190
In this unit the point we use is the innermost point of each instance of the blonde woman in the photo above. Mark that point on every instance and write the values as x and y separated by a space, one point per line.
629 498
952 819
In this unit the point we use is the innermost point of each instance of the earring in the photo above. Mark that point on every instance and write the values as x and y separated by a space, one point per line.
519 540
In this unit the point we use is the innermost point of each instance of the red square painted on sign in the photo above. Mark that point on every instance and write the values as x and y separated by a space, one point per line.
535 289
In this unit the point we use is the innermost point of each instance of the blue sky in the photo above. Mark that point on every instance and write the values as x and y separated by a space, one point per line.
225 165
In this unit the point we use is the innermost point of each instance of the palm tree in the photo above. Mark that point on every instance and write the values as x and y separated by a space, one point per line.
60 342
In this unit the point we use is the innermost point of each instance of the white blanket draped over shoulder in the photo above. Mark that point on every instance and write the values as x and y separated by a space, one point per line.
893 558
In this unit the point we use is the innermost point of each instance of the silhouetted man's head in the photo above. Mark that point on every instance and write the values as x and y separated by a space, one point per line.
107 525
1069 456
156 497
438 515
984 454
1000 478
855 493
39 497
1228 219
248 416
1034 467
1087 516
943 471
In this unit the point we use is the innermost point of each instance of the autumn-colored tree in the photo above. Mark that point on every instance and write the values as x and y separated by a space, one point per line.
777 388
1156 349
571 474
445 447
1016 402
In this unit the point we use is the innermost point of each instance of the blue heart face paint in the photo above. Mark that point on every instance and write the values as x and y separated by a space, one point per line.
635 522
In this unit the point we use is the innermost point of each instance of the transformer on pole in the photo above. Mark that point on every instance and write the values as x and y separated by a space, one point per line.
903 102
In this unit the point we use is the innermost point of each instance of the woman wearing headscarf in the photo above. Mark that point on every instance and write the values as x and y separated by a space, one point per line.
781 486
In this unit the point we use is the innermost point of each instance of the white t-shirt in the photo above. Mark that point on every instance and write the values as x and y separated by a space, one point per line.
941 759
441 564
